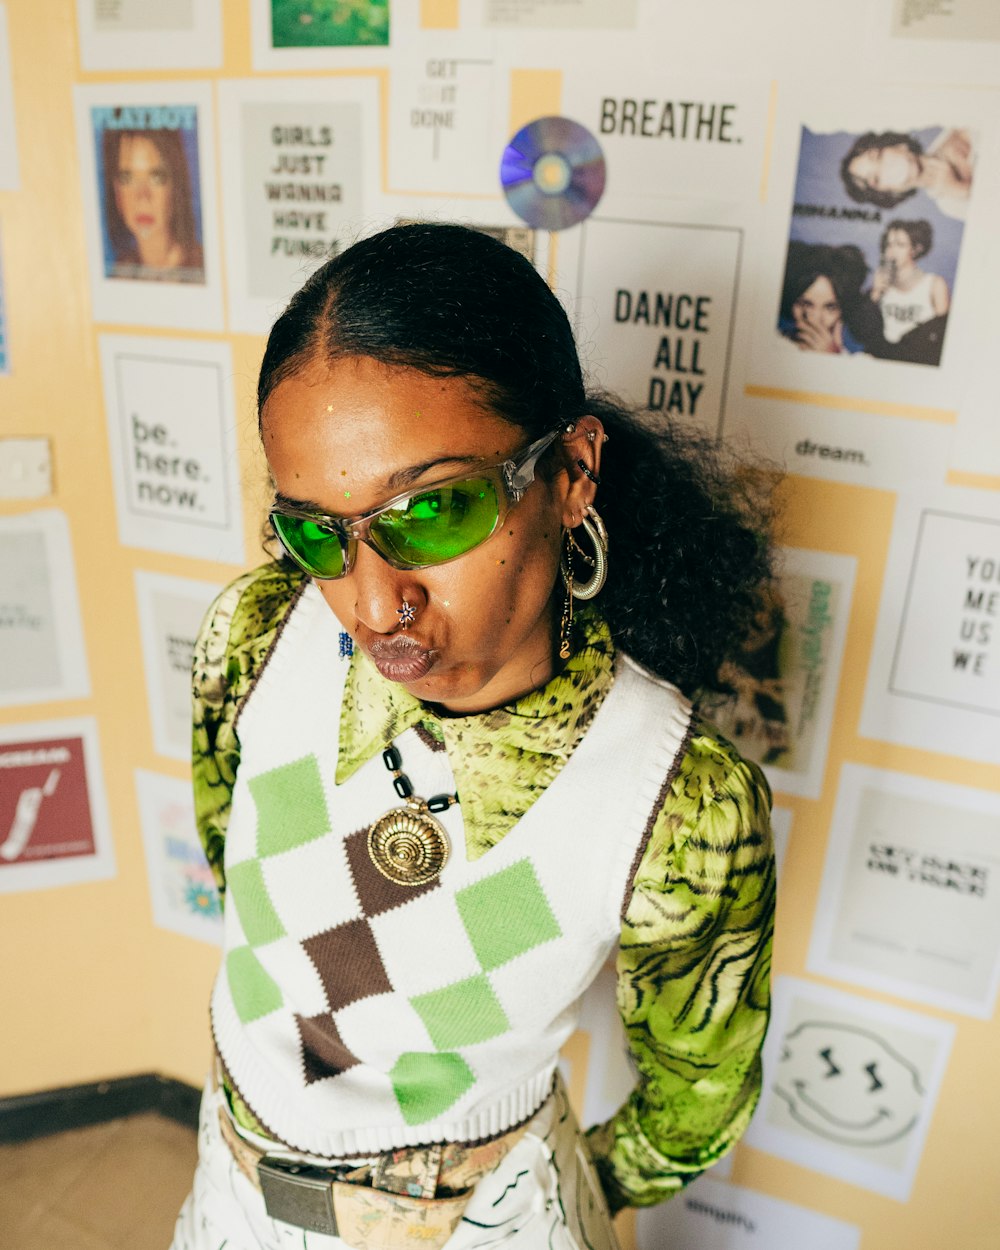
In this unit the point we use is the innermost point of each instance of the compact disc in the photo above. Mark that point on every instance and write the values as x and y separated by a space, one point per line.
552 173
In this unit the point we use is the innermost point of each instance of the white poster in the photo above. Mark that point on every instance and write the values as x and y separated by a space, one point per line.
303 34
181 886
932 41
559 14
147 159
669 137
448 105
656 305
787 675
300 172
148 34
715 1215
910 902
9 178
864 288
850 1086
173 445
171 610
41 637
781 828
934 676
53 812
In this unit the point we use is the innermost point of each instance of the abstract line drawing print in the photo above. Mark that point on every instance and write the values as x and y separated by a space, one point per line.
848 1085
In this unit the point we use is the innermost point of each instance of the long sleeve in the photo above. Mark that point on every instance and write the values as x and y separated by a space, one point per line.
231 649
693 978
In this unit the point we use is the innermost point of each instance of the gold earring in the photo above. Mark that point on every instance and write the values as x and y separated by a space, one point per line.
566 620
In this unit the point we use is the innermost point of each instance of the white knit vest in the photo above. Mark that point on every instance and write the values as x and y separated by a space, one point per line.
354 1016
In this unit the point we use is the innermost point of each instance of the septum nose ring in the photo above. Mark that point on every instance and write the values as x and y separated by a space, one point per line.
407 614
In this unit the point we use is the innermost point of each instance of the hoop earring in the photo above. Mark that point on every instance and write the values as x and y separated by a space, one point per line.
593 527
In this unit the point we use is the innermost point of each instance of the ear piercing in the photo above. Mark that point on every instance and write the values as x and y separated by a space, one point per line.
589 473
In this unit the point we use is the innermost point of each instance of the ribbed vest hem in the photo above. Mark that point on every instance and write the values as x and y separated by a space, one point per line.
511 1109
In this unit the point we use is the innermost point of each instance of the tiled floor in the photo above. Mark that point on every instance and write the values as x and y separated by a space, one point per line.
107 1187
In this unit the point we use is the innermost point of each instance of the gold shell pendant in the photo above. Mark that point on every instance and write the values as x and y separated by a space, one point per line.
408 846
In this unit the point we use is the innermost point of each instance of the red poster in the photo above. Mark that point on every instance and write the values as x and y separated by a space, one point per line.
45 810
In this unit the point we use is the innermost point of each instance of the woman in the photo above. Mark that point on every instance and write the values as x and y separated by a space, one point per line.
149 208
401 972
822 308
906 295
885 169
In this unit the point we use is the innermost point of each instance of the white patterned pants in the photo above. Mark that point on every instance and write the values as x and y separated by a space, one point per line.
544 1195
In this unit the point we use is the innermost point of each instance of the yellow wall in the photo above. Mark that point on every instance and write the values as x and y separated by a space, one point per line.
91 988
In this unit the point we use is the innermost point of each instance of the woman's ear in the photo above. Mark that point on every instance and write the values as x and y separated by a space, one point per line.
581 448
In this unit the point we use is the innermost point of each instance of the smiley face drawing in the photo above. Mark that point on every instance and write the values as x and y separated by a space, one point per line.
847 1085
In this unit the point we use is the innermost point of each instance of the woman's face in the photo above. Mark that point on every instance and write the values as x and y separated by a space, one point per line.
338 438
893 169
142 187
898 249
817 305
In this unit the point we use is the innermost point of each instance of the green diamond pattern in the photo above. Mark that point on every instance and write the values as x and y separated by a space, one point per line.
255 992
506 914
291 807
461 1014
427 1085
245 886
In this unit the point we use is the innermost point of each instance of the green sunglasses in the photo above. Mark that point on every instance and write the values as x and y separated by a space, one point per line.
415 530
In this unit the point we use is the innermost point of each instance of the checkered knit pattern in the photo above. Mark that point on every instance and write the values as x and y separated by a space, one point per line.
354 1015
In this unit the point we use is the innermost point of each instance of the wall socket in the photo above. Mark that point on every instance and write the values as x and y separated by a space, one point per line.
25 468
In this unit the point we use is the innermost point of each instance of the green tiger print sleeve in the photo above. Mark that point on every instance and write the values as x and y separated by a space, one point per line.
693 977
232 645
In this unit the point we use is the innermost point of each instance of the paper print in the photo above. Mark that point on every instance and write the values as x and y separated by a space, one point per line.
876 231
326 34
447 117
41 637
698 140
4 333
148 34
786 677
53 817
850 1086
560 14
146 152
864 287
909 898
181 886
171 610
714 1215
9 177
656 304
781 828
934 676
329 23
171 428
300 175
932 41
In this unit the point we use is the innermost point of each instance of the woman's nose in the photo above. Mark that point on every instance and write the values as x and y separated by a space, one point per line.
380 592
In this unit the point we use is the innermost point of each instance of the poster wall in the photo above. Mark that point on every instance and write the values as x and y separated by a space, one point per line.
795 250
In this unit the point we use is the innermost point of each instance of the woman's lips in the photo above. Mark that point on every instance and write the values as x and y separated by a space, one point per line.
401 659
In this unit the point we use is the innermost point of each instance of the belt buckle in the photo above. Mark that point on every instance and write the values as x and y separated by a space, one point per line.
298 1194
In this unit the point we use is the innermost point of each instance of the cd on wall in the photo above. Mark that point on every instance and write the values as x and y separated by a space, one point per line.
552 173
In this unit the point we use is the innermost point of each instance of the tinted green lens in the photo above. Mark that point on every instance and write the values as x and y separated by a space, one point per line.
317 548
438 525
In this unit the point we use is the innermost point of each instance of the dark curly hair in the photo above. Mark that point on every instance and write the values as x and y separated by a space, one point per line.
689 529
860 192
919 232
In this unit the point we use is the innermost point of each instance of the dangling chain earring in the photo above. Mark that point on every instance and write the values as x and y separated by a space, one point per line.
593 527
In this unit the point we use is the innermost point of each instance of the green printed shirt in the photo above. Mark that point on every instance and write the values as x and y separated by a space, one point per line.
694 956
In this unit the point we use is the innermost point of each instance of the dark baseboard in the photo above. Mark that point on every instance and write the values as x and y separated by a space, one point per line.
75 1106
